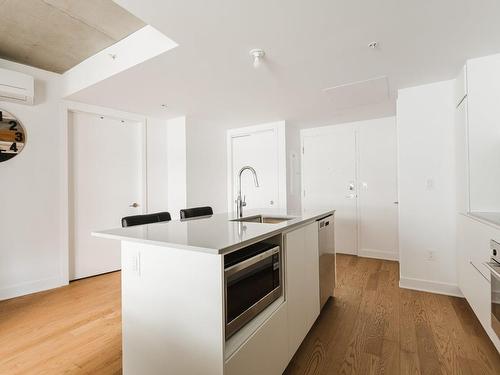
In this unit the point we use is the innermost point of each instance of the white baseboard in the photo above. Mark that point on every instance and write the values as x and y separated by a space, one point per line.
430 286
346 252
378 254
31 287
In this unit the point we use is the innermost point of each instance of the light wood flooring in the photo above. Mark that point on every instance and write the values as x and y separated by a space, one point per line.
375 327
372 327
70 330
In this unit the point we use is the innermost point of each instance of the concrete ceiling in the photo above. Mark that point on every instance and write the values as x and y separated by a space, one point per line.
310 46
56 35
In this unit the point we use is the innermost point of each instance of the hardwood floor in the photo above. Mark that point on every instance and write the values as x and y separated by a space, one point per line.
70 330
372 327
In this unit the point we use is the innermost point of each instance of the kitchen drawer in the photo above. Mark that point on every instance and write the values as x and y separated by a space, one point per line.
476 290
266 351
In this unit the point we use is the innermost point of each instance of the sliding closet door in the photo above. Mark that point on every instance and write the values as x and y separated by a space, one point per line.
329 180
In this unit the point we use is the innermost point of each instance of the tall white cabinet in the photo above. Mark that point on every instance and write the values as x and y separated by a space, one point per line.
478 179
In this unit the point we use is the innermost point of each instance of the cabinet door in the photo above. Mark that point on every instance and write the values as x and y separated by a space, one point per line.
311 274
266 352
483 80
302 283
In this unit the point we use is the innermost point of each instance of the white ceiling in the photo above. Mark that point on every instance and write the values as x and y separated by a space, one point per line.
310 46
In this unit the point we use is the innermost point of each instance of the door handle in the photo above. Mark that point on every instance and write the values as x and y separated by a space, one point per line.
134 205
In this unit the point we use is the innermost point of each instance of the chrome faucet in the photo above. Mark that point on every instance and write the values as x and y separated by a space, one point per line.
240 203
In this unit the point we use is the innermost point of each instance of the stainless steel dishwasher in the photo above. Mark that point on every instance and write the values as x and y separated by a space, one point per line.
326 239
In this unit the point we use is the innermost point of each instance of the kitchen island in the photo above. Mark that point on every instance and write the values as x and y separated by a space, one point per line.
184 292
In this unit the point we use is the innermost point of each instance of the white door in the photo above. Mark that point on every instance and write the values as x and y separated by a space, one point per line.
377 189
106 179
264 150
329 181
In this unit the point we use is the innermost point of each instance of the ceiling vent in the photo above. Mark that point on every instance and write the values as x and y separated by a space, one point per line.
16 87
361 93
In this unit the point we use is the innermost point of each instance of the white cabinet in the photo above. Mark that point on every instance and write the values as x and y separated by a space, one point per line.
302 283
461 86
483 86
462 157
273 344
266 352
473 277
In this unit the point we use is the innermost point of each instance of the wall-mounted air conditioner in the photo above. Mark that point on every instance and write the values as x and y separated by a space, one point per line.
16 87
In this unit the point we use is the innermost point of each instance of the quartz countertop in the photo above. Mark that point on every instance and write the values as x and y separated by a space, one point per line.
216 234
492 218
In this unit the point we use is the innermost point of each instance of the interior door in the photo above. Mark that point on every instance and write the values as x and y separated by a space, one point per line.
378 189
258 150
106 183
329 181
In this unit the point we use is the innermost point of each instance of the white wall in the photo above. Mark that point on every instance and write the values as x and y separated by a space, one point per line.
166 165
33 248
206 164
293 169
176 165
427 205
157 165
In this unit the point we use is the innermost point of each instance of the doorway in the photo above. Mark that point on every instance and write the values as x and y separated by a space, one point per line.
106 183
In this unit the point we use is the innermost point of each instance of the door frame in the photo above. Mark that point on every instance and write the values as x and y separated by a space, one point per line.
314 132
279 129
68 107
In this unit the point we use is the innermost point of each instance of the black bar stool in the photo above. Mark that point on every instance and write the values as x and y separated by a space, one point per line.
157 217
188 213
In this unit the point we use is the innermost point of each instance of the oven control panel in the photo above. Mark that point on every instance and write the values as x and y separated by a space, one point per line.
495 250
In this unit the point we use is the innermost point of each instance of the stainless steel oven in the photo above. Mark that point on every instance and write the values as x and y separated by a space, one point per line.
494 267
252 281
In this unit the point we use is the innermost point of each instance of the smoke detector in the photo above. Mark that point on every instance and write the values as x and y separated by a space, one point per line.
373 45
257 55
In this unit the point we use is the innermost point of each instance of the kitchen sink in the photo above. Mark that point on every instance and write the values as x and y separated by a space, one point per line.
263 219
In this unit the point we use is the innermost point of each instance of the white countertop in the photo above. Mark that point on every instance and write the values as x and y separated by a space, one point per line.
215 234
492 218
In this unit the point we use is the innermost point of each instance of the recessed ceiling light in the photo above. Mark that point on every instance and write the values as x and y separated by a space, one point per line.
257 54
373 45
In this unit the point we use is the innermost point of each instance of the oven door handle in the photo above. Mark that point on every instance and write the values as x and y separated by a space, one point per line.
494 269
250 261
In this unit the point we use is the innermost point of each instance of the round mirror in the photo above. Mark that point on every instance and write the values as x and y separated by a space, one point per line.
12 136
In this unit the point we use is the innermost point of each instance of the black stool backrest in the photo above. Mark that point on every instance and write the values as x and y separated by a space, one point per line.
196 211
130 221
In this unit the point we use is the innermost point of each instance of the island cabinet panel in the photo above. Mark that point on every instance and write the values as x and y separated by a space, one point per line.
172 311
266 351
302 283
